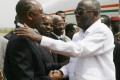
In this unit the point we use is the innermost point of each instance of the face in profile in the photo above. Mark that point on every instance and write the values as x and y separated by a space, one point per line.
46 25
36 15
84 14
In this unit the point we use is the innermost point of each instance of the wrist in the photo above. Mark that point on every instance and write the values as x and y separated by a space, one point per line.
61 73
38 38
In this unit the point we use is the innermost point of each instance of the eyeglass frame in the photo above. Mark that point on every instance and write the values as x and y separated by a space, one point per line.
59 25
81 11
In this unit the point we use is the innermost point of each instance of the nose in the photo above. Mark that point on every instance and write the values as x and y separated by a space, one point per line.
62 26
48 27
43 16
76 13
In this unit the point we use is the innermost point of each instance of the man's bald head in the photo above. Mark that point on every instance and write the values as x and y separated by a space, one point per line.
29 12
56 18
25 5
87 12
58 25
91 4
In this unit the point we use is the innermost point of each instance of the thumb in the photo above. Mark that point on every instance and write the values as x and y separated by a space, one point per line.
51 73
25 25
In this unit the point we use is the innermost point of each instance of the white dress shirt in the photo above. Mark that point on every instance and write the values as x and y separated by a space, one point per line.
62 37
91 53
3 44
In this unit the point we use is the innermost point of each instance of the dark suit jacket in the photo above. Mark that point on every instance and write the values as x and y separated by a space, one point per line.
10 35
49 59
60 58
116 58
24 61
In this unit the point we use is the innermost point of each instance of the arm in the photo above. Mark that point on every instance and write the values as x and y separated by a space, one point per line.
90 46
94 44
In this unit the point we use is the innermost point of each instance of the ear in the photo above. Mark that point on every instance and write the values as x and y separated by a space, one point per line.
29 15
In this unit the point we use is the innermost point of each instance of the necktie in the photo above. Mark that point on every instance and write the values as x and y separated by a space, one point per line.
63 39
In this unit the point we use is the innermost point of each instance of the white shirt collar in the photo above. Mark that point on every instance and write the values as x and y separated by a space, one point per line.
57 35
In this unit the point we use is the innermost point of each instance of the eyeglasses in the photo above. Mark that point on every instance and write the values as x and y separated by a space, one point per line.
81 11
59 25
47 24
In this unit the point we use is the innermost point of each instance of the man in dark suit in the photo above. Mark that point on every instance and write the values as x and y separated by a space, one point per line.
58 33
24 59
50 58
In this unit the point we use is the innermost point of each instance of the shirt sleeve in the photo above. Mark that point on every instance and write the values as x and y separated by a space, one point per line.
64 69
89 46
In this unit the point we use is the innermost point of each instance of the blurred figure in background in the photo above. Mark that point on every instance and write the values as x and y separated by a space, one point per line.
115 24
62 14
71 29
106 20
3 45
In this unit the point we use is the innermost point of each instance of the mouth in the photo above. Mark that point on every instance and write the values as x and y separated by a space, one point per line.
48 31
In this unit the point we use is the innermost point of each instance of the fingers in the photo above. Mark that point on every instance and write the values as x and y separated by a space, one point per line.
25 25
1 75
20 32
57 73
51 72
20 29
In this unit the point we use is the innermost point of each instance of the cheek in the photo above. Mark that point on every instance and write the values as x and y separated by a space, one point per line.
42 27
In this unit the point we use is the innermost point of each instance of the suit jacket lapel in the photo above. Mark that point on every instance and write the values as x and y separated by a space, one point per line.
36 49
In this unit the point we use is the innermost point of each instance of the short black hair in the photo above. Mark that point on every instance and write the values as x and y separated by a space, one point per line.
23 6
59 12
106 20
69 27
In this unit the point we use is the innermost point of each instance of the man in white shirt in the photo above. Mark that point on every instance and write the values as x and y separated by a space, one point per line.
91 49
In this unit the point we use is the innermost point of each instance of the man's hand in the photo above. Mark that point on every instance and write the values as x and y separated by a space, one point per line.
56 75
1 75
28 33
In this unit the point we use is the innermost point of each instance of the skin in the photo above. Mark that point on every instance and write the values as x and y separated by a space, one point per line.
1 75
85 20
70 33
46 25
59 30
62 15
33 17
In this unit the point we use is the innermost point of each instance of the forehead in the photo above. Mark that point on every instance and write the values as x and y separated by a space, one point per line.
47 18
61 14
58 20
37 5
87 4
